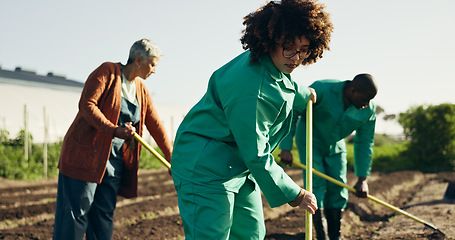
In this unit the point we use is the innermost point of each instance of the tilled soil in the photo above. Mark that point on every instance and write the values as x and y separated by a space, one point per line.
27 209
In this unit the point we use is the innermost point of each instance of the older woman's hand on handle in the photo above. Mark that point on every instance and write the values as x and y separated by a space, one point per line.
125 131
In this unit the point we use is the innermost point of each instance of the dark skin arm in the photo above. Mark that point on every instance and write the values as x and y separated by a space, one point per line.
361 187
286 157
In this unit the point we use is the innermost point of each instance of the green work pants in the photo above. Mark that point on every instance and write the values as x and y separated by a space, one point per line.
328 194
215 214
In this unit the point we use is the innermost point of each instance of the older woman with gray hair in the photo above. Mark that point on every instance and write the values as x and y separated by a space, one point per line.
99 158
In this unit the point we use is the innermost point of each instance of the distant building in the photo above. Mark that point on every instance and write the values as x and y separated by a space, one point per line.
22 90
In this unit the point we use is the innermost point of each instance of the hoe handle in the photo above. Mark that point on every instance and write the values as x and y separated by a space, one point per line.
153 151
370 197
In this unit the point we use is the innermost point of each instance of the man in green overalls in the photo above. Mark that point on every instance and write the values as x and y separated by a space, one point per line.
342 108
222 156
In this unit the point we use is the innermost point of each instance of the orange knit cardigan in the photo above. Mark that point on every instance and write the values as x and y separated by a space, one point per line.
87 144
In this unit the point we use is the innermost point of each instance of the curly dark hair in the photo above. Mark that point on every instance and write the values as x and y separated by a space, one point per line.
287 20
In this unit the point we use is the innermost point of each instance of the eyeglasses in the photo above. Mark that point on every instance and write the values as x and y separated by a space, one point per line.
289 53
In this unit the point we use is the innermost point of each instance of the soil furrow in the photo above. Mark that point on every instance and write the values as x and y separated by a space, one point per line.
27 209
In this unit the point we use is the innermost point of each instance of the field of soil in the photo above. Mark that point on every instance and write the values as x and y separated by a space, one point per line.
27 209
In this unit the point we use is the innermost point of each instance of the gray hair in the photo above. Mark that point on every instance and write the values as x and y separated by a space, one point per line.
144 48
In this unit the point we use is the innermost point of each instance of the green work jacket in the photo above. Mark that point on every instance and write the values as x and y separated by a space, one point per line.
231 132
331 124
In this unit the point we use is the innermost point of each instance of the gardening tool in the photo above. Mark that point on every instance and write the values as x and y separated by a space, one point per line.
309 163
153 151
298 164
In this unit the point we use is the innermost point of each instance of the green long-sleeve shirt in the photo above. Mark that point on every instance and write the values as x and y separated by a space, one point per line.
332 123
233 130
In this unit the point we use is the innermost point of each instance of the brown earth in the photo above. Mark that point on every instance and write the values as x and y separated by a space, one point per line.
27 209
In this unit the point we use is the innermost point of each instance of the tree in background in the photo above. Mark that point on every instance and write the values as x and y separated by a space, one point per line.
386 117
431 131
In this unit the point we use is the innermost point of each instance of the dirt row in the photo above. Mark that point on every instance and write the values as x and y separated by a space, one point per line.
27 209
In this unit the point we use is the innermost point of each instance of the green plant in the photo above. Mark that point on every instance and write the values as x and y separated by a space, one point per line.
14 166
148 161
431 131
387 157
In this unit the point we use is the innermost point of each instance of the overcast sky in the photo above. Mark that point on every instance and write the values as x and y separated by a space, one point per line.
407 45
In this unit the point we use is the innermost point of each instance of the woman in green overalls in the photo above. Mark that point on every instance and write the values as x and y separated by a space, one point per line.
222 157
